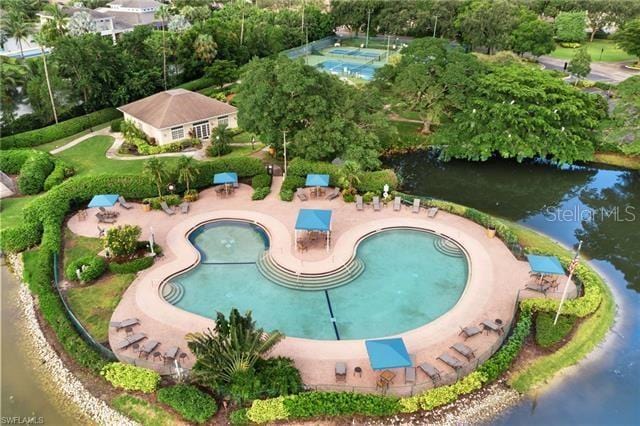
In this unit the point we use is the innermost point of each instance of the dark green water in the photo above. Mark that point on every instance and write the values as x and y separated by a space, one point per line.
599 205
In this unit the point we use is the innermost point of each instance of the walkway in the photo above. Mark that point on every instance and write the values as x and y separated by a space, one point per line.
492 290
102 132
611 72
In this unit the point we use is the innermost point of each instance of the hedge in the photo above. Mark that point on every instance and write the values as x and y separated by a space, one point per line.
116 124
61 171
34 172
262 180
261 193
11 160
192 404
94 267
130 377
132 266
198 84
60 130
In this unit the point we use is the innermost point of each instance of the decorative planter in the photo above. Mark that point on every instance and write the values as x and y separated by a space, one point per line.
146 207
491 232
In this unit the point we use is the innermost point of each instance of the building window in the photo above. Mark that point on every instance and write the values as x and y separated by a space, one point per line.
223 120
177 133
201 130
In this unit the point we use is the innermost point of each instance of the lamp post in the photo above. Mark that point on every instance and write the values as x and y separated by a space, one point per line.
435 26
151 241
284 137
171 187
366 43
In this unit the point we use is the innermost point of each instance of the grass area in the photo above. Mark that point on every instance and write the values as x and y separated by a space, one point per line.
93 305
587 336
142 411
611 53
548 334
77 246
57 144
618 159
89 158
242 151
244 137
11 210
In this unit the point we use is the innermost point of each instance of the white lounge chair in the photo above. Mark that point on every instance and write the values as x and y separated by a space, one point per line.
432 212
300 194
166 208
416 205
397 204
359 202
376 204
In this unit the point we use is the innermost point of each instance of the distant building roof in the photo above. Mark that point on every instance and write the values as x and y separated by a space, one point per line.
175 107
135 4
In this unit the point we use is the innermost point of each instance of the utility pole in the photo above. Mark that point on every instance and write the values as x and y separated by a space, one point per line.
366 44
435 27
242 26
284 143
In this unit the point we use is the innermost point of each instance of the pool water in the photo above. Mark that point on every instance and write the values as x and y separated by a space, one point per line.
407 283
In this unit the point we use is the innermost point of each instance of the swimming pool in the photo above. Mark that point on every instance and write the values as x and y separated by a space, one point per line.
411 277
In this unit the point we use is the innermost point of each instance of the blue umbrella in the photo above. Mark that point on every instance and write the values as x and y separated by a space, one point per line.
225 178
104 200
317 180
387 353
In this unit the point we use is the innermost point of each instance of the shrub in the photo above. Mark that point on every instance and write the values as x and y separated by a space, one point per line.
293 182
218 150
375 181
442 395
33 173
243 386
130 377
192 404
278 376
261 193
60 130
570 45
122 240
261 181
286 195
312 404
548 334
268 410
91 268
11 160
367 197
171 200
61 171
132 266
348 197
116 125
239 417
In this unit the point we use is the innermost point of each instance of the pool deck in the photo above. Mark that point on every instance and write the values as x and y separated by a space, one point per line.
495 280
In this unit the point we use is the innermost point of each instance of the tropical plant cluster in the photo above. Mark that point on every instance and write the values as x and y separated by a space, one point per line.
143 147
60 130
129 377
189 401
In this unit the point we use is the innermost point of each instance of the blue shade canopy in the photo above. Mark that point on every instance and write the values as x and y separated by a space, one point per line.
549 265
387 353
227 177
314 220
317 180
104 200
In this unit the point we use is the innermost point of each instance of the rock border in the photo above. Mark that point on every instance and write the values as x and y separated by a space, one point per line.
94 408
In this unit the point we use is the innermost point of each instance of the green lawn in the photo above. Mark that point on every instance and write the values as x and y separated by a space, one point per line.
77 246
611 52
57 144
243 137
11 210
142 411
93 305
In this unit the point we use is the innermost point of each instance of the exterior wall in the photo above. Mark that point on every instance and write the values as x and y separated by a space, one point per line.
163 136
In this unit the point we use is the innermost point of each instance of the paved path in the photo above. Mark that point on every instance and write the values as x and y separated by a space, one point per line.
610 72
102 132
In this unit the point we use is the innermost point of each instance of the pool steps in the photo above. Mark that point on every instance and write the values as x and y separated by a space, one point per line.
304 281
172 292
448 247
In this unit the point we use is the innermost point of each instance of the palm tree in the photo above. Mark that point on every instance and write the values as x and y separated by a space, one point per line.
234 347
163 14
16 26
13 74
58 18
205 48
154 169
41 40
187 170
351 174
222 138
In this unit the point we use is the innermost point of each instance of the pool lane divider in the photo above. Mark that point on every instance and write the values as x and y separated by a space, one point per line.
333 319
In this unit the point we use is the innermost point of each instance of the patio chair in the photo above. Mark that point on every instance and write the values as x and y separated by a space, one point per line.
130 340
300 194
416 205
123 203
333 194
359 202
219 189
540 288
341 371
166 209
301 245
184 208
105 219
469 331
431 372
464 350
397 204
432 212
492 326
100 232
108 213
376 204
147 348
129 322
171 354
409 375
451 361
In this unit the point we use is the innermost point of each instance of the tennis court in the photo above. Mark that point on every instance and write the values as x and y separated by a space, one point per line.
345 68
368 54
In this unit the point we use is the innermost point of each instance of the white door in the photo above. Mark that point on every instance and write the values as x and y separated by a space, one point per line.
202 130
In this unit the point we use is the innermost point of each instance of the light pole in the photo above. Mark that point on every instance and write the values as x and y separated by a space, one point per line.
435 27
366 43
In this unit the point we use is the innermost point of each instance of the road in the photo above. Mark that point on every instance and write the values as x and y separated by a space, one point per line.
610 72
